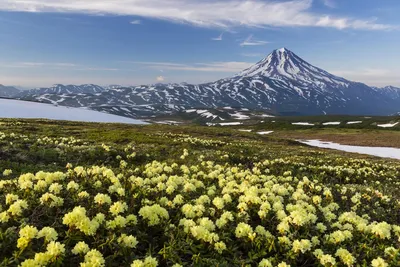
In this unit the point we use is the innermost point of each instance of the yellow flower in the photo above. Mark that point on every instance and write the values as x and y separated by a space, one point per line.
154 214
339 236
220 247
118 207
137 263
4 217
243 230
10 198
379 262
29 263
265 263
72 186
218 203
302 246
80 248
26 234
55 188
40 185
49 234
128 241
7 172
345 256
83 194
55 249
51 200
102 199
42 259
381 230
118 221
150 262
93 259
17 207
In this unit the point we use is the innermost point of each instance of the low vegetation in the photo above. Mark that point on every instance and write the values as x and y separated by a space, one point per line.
117 195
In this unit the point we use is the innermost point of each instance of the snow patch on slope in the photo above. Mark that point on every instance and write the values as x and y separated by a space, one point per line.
31 110
332 123
303 123
383 152
387 125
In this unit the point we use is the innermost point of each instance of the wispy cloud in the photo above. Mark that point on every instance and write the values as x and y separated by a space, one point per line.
228 67
250 41
219 38
47 65
136 22
329 3
40 64
218 13
97 69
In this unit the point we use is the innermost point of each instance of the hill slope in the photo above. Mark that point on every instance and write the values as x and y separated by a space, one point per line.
10 108
8 91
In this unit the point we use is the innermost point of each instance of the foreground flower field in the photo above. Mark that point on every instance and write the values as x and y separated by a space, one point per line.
202 206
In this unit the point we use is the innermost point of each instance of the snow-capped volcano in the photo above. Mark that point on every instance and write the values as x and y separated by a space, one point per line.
284 64
281 83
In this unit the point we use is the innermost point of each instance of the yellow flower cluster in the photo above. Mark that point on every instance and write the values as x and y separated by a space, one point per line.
280 211
93 258
77 218
147 262
154 214
128 241
26 234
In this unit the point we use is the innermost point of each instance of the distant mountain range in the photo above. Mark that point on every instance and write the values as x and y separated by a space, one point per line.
280 84
8 91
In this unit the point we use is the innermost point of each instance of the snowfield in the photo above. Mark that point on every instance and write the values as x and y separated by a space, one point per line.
332 123
240 116
30 110
354 122
388 125
168 122
230 123
383 152
264 133
303 123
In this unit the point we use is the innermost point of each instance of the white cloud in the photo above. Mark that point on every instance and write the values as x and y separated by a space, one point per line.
218 13
329 3
160 78
136 22
62 66
219 38
97 69
372 77
251 42
42 64
228 67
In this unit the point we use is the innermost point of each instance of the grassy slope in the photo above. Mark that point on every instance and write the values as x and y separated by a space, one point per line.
150 139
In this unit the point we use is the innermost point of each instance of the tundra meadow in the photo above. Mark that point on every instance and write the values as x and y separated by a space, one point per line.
188 196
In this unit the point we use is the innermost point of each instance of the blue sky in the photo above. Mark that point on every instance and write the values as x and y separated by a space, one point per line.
130 42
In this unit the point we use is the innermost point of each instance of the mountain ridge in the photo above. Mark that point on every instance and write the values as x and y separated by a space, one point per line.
8 91
281 83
